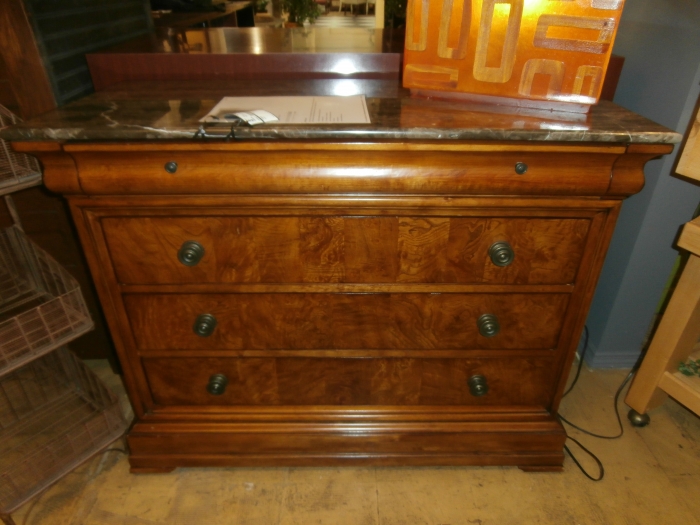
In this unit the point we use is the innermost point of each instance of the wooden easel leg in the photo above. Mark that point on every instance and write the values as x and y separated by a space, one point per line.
675 336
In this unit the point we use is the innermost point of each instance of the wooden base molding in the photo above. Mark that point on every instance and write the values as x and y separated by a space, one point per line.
534 445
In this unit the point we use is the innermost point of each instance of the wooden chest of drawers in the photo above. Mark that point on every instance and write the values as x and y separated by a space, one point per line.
301 303
385 303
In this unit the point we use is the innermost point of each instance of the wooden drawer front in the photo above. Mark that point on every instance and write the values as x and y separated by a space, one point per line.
346 321
346 249
346 169
325 381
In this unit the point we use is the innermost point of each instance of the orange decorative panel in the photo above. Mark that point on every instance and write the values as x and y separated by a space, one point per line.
535 53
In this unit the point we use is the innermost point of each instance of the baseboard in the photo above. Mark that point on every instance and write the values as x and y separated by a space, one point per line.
596 359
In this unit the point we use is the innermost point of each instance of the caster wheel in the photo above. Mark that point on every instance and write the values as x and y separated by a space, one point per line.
637 419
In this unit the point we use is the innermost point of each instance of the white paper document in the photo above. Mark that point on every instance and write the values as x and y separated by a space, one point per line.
291 110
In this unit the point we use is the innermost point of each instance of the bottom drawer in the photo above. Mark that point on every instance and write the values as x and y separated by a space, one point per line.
348 381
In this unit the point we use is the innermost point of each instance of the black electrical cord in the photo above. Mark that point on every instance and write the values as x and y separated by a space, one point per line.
617 413
580 361
617 394
601 469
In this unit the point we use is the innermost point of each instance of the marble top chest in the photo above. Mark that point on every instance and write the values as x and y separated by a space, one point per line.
408 292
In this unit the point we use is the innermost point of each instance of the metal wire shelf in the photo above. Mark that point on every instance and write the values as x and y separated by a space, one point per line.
17 170
54 414
41 306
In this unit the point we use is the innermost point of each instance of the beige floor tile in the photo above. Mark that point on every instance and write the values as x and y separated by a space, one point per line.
673 437
55 506
254 496
437 495
635 489
686 488
505 496
58 505
147 496
330 495
113 498
198 498
590 403
100 517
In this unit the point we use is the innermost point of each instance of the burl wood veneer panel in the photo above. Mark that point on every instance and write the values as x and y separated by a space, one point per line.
354 381
342 249
346 321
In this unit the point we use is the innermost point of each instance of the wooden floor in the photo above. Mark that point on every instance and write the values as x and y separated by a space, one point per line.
652 477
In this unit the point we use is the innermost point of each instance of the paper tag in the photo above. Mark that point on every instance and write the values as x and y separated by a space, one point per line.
252 118
334 110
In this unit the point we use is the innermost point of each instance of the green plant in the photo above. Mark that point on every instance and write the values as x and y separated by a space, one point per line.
302 10
690 368
261 6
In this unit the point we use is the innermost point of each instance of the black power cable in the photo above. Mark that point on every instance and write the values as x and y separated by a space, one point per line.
588 432
601 469
580 361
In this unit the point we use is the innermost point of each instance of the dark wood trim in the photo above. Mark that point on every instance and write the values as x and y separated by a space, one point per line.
25 67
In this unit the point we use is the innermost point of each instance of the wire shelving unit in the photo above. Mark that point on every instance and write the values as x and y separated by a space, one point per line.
55 413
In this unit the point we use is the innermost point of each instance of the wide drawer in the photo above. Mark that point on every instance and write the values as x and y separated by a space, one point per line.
345 168
345 321
325 381
323 249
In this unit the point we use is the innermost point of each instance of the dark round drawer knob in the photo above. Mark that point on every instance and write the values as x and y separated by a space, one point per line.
171 167
190 253
478 386
204 325
520 168
488 325
217 384
501 253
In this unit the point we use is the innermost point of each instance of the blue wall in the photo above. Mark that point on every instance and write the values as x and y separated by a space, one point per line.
660 40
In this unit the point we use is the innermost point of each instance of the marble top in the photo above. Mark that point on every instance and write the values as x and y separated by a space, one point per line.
166 111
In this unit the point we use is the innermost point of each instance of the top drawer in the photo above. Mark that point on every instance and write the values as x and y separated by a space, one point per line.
347 168
341 249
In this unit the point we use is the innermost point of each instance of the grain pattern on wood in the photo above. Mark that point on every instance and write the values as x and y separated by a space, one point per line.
59 171
277 445
334 171
111 68
304 381
25 68
628 172
344 249
346 321
591 265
